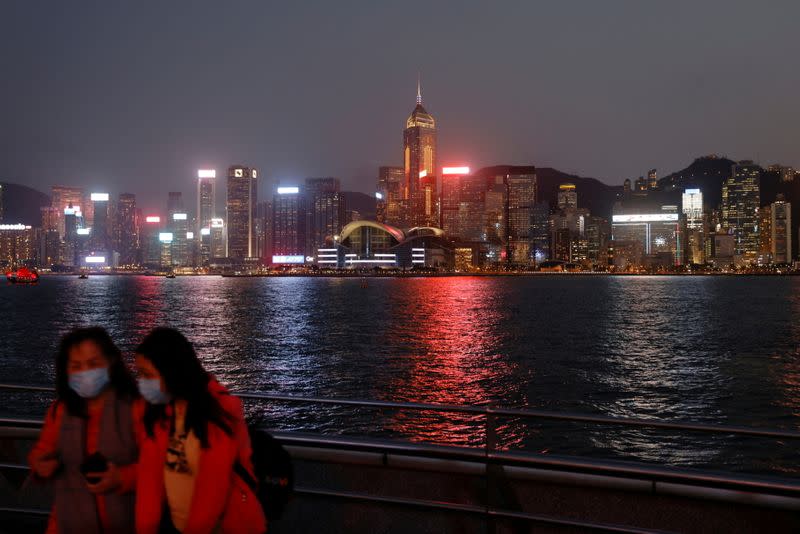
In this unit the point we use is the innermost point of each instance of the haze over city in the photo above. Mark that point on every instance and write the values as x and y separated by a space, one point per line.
138 97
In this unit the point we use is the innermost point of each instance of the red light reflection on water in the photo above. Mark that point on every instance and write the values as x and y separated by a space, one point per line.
455 358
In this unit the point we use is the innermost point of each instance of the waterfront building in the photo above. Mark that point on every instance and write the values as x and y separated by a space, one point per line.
540 232
289 239
264 231
781 230
419 166
659 233
765 235
150 246
325 212
723 250
241 212
520 200
126 229
218 238
472 210
180 243
450 201
641 184
740 202
692 209
596 237
101 231
49 247
567 196
390 204
17 245
652 179
61 197
206 197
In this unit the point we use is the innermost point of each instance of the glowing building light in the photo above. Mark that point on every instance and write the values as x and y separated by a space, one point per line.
217 223
288 259
95 259
189 235
379 196
205 231
645 217
83 231
206 173
152 219
14 227
179 216
165 237
455 170
69 211
326 250
288 190
423 173
99 197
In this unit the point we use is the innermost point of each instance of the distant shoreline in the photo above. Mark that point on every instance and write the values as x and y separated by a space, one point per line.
419 275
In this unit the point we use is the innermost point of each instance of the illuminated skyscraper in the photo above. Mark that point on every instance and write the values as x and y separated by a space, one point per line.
781 227
101 227
453 179
326 211
652 179
241 212
62 196
567 196
288 225
740 200
390 196
521 197
126 229
692 208
540 232
419 166
206 179
174 203
179 227
149 243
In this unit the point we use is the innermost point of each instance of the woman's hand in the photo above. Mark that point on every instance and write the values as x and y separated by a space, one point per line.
46 466
109 480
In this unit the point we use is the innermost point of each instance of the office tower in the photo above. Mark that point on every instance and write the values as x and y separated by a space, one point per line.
49 240
180 242
174 203
567 196
264 230
390 195
657 234
786 174
419 166
521 197
450 201
692 209
126 239
740 201
241 212
17 245
540 232
596 238
61 197
472 209
218 239
652 179
765 234
288 225
325 212
781 229
641 184
101 227
206 189
150 246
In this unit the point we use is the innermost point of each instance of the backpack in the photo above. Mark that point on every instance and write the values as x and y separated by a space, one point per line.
274 474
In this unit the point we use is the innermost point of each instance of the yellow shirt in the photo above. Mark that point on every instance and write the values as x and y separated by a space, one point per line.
180 470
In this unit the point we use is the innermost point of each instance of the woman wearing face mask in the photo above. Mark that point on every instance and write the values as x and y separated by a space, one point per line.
88 443
194 435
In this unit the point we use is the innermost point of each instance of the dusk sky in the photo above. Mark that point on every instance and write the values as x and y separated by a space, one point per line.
136 97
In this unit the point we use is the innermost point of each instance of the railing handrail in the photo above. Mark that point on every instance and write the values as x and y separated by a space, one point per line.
488 410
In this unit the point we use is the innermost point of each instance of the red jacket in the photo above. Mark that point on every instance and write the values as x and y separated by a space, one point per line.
220 496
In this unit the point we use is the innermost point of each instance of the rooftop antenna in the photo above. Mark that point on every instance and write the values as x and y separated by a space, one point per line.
419 89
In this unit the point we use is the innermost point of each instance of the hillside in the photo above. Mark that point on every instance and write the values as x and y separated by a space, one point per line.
21 204
706 173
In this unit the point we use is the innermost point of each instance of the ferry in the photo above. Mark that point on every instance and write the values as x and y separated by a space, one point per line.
23 275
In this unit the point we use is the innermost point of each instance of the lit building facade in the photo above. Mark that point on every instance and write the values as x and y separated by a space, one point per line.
17 245
326 212
101 227
740 201
389 198
450 200
781 230
652 179
692 209
126 229
61 197
288 226
241 212
540 232
567 196
419 166
660 235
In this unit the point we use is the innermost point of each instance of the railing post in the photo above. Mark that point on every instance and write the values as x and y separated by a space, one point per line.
491 445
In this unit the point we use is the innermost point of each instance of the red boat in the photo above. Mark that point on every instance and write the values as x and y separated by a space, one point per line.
22 275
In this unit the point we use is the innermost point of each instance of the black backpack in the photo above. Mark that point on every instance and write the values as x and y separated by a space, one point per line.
274 480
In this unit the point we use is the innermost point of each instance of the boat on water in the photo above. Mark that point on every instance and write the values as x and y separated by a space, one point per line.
23 275
83 276
170 275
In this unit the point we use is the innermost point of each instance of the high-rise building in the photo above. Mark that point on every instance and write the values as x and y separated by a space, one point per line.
61 197
641 184
540 232
450 219
17 245
241 212
419 166
325 212
174 203
567 196
288 225
521 198
101 227
781 229
765 234
126 238
652 179
218 238
179 226
740 201
150 246
786 174
389 196
206 189
692 209
472 209
264 230
658 234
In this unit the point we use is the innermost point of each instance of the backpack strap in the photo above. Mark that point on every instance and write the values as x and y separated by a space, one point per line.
245 475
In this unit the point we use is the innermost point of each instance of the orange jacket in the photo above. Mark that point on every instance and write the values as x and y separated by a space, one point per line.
220 497
48 444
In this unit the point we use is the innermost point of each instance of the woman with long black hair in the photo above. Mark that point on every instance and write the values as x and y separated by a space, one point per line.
195 434
88 444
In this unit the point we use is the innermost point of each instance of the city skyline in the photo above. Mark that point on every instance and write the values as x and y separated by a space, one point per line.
569 105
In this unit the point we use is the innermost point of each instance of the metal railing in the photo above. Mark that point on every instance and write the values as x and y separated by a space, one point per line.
489 455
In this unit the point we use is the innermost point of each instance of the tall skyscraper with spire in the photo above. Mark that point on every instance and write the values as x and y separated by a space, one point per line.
419 165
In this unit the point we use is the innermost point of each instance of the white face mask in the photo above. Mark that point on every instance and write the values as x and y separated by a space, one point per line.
89 384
